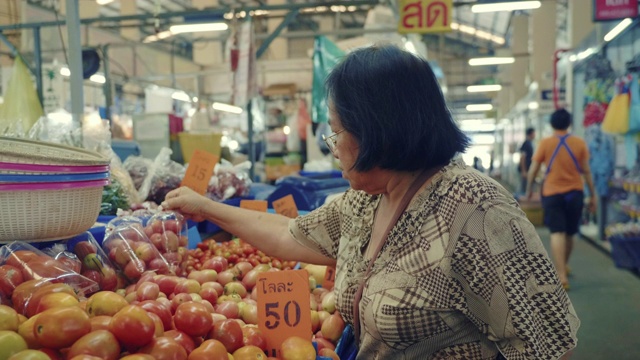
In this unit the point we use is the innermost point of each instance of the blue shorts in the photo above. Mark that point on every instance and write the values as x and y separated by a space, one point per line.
562 212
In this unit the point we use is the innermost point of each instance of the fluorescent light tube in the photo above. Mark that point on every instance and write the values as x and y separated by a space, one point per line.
104 2
191 28
505 6
618 29
491 61
98 78
181 96
227 108
479 107
484 88
64 71
533 105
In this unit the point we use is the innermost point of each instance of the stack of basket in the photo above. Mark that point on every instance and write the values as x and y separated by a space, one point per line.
48 191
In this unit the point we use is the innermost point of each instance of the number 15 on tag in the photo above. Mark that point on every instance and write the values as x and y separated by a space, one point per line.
199 171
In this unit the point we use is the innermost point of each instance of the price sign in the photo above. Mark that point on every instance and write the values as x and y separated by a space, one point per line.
258 205
199 171
283 307
286 206
329 278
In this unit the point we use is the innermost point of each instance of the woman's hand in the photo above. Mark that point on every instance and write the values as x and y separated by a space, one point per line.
187 202
591 204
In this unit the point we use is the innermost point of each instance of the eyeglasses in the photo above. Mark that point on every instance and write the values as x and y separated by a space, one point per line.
332 140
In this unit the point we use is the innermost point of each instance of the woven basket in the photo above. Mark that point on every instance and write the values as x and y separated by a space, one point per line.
43 215
23 151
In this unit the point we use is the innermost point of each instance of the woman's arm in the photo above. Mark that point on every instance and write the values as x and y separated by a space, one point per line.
267 232
533 172
586 173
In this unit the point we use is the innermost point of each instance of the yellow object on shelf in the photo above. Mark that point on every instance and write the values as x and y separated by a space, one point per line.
190 142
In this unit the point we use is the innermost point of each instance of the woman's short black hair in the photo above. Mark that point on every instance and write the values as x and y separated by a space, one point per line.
561 119
390 101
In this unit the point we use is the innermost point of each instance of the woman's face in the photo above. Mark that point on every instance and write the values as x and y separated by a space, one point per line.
346 151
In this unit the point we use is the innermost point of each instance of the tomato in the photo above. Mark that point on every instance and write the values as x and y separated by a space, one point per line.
56 299
210 350
138 357
183 339
159 328
251 335
11 343
10 277
329 353
26 331
84 357
58 328
43 290
29 355
22 293
193 318
164 348
100 322
152 306
20 257
132 326
100 343
249 352
8 318
52 354
105 303
229 333
297 348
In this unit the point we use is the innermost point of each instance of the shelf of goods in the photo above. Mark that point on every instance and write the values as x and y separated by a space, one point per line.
624 235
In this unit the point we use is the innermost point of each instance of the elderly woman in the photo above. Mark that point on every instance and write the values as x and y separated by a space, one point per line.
434 259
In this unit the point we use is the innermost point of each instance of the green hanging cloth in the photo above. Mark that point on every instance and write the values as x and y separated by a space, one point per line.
326 55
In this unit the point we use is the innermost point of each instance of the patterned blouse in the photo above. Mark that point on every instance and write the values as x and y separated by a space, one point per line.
463 274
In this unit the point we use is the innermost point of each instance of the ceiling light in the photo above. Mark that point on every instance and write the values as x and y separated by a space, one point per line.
479 107
181 96
191 28
618 29
533 105
194 99
98 78
103 2
505 6
491 61
64 71
286 130
227 108
484 88
573 58
159 36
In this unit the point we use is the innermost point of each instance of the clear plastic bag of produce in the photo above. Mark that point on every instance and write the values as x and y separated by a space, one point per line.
164 176
95 264
133 253
167 231
122 221
138 169
29 268
229 181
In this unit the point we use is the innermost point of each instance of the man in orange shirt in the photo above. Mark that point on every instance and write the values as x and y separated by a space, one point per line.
566 158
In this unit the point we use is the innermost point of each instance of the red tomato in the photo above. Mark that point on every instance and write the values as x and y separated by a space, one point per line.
164 348
210 350
41 291
249 352
10 277
193 319
132 326
163 312
100 343
229 333
20 257
100 322
297 348
138 357
58 328
183 339
251 335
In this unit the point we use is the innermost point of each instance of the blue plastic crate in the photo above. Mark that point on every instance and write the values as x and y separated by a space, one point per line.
625 251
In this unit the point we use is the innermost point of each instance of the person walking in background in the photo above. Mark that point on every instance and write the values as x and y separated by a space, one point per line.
566 158
526 153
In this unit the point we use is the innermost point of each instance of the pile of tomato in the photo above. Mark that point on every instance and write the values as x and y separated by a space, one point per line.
210 312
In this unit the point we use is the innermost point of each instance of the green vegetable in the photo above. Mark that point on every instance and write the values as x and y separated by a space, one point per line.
113 198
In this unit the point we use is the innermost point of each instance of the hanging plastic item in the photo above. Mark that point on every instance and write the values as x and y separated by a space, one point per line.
326 55
21 108
616 120
634 106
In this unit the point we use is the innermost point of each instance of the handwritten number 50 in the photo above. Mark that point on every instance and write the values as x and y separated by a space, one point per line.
272 311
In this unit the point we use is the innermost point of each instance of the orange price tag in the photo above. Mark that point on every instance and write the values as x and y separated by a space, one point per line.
286 206
329 278
258 205
199 171
283 307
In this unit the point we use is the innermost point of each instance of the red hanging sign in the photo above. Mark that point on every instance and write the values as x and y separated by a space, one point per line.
607 10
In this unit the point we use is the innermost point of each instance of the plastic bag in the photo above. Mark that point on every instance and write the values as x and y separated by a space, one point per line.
21 108
168 231
36 269
57 127
616 121
119 173
133 253
634 107
164 176
138 168
229 181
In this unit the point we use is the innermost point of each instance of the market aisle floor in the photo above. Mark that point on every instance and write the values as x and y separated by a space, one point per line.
607 300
